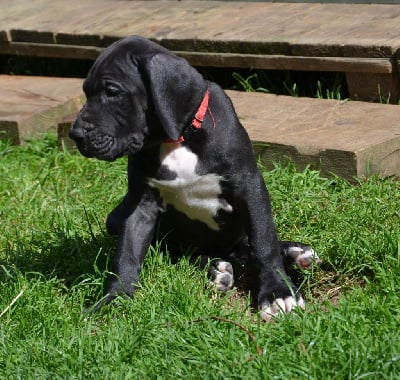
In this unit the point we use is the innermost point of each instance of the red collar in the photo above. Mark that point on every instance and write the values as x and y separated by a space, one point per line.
201 111
198 117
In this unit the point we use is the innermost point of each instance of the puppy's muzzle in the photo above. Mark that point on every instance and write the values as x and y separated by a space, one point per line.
77 134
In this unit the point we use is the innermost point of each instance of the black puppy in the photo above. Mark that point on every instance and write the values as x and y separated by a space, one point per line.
192 174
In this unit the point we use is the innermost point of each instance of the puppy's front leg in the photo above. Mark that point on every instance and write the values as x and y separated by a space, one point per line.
137 217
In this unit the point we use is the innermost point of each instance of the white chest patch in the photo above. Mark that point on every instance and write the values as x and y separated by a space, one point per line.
197 196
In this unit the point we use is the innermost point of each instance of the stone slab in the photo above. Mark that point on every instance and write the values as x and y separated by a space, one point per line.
32 105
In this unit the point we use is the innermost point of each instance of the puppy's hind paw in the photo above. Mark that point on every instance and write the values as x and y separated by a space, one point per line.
221 273
300 254
279 306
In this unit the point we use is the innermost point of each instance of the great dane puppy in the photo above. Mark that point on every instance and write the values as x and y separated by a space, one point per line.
192 174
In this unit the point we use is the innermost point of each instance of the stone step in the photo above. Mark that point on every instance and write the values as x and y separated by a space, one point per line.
345 138
349 139
31 105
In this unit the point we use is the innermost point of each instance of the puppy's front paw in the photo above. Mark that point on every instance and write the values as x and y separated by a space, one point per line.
281 305
221 273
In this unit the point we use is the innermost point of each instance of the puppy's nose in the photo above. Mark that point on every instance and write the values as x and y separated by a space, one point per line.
76 133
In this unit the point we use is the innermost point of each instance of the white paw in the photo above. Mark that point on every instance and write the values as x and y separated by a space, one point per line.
280 305
304 258
222 275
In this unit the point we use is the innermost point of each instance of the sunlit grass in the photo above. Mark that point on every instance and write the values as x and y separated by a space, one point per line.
54 255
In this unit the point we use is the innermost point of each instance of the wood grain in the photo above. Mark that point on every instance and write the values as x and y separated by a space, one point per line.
301 29
350 38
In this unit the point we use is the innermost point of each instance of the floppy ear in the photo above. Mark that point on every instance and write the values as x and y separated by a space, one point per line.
177 90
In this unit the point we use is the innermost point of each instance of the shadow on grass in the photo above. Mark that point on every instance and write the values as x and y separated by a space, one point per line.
73 259
69 258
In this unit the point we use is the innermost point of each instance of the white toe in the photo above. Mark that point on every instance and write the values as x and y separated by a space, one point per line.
290 304
266 313
281 305
224 266
222 275
301 303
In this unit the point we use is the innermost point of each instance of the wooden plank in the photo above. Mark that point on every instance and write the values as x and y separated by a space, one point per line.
342 30
374 87
351 38
50 50
344 138
269 62
3 36
284 62
63 132
84 40
33 36
31 105
333 1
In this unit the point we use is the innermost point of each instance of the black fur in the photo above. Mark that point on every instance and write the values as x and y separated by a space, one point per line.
139 95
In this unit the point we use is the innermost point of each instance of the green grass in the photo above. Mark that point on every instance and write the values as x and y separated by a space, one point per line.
296 84
54 254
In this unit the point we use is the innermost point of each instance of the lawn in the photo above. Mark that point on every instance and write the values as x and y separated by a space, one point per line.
54 254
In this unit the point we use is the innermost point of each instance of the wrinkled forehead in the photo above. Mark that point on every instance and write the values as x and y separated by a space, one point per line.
112 62
120 61
111 69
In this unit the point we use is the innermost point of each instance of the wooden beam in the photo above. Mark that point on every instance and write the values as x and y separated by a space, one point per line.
50 50
231 60
374 87
284 62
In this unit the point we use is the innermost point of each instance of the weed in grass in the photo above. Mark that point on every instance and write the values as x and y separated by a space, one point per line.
383 99
292 90
247 83
54 255
324 86
331 91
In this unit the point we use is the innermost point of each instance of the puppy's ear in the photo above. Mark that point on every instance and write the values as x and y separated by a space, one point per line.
177 90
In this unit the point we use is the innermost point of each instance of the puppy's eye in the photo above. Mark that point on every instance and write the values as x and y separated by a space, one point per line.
112 91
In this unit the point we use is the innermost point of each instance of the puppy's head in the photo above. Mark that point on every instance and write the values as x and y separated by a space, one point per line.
138 94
